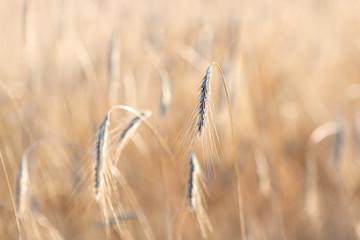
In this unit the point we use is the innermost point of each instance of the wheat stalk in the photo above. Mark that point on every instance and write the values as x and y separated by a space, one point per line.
204 115
108 146
11 197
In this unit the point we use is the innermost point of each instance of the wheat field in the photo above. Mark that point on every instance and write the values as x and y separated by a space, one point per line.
113 125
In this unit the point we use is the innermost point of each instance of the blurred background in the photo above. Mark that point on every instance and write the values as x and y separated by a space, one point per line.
293 73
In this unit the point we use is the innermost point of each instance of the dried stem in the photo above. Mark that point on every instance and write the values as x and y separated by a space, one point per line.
236 167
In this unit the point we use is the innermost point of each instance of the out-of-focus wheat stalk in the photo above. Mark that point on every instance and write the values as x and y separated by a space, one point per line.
113 66
121 216
311 196
33 224
18 229
262 173
165 92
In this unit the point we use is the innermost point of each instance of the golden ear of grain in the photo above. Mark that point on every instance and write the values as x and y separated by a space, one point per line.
203 102
100 152
200 129
196 196
128 131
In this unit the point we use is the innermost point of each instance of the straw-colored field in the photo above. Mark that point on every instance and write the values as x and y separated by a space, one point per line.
292 70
